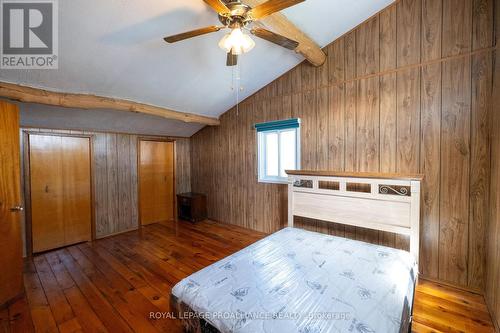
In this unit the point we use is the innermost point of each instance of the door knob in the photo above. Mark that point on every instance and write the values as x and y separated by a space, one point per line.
17 208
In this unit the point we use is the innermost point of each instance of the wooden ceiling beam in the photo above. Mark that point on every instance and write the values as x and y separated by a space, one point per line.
86 101
279 24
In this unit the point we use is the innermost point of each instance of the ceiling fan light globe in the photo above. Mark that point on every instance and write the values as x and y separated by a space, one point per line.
225 43
236 42
247 44
237 51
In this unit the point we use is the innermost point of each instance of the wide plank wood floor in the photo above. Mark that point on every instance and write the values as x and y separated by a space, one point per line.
113 284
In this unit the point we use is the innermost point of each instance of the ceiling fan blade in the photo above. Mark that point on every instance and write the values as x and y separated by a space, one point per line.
271 6
217 5
193 33
275 38
232 59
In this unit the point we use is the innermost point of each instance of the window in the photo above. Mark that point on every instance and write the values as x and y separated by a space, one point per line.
278 149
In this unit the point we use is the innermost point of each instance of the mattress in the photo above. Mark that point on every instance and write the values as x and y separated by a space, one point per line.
301 281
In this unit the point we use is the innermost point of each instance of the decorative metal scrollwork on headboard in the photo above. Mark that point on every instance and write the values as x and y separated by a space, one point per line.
394 190
303 183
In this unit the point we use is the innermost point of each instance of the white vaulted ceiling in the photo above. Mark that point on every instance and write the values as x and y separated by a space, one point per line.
114 48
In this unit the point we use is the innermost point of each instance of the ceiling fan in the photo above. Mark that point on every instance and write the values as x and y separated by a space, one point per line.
237 16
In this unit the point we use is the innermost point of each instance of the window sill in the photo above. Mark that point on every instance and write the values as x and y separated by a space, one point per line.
274 181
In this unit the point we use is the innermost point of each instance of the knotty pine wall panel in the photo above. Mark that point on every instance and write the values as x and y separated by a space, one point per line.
114 175
406 91
492 267
182 165
430 166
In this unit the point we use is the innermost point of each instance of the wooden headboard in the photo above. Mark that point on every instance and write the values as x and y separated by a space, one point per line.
386 202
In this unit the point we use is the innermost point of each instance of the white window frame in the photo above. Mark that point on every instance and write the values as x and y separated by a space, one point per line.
262 155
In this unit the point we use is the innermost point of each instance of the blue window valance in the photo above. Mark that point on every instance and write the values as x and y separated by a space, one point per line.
278 125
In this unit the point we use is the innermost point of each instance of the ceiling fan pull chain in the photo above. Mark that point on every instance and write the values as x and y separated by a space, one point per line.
232 78
237 69
238 80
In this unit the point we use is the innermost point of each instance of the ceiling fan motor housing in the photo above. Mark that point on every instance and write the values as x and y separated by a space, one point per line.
237 17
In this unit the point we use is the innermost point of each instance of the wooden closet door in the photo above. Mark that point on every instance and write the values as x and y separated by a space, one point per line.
156 181
60 191
47 218
77 190
11 279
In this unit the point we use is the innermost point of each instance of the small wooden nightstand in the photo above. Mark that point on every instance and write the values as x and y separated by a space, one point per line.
192 206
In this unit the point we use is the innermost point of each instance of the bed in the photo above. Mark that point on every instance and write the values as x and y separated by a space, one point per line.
301 281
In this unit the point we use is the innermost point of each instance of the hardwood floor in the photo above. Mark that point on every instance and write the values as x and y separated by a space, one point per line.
112 285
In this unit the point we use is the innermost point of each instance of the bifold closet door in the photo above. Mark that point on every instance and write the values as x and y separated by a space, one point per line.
60 182
156 181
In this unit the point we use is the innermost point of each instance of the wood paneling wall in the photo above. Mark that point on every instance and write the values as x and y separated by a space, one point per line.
114 176
115 183
182 165
406 91
492 293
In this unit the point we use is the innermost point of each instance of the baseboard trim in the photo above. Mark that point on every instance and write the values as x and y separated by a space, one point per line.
117 233
452 285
